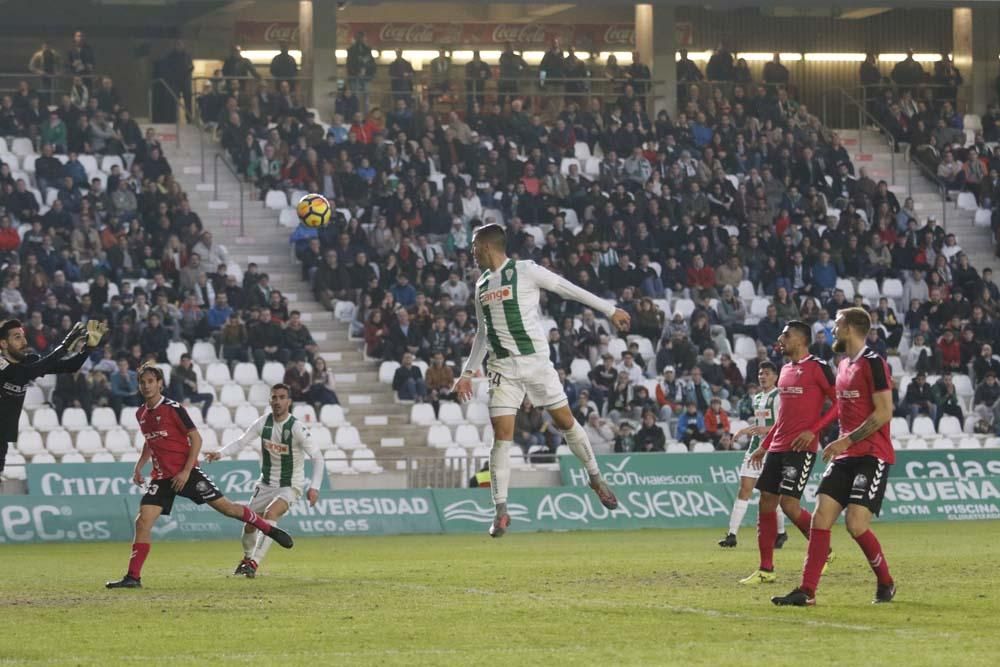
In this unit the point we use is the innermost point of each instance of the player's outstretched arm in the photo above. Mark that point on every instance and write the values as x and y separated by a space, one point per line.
564 288
137 477
239 443
301 435
463 385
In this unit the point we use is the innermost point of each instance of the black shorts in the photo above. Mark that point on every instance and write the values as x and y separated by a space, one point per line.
857 481
199 489
786 473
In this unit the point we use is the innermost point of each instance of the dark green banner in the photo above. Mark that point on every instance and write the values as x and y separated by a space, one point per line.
234 478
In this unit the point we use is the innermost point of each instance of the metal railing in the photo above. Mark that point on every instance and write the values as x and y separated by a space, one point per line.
177 101
221 157
58 83
864 114
929 174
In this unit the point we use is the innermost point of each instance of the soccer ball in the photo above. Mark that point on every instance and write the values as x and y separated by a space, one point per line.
314 210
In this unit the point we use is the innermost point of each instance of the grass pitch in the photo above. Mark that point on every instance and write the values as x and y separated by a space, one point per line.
613 598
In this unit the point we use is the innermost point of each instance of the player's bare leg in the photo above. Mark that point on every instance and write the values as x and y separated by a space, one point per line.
274 511
579 444
247 515
144 521
767 532
827 511
802 518
740 506
859 520
249 542
503 438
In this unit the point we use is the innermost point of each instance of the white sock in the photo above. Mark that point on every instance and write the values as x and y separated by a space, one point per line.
781 521
736 518
263 544
500 470
579 444
249 540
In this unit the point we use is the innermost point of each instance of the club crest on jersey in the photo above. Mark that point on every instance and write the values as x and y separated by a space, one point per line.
276 448
502 294
508 274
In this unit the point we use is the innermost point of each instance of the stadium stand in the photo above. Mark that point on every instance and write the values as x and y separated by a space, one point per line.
712 226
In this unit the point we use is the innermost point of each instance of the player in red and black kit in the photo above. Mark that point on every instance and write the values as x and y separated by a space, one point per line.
789 449
859 473
173 442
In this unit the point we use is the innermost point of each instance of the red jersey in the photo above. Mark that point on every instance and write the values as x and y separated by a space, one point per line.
165 427
858 380
804 386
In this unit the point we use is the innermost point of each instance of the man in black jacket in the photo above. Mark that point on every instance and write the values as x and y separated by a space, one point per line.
18 368
408 381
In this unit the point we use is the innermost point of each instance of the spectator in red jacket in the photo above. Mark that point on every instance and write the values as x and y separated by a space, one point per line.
701 279
10 240
950 350
716 421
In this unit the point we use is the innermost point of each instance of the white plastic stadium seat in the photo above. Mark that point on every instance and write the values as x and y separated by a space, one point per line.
288 217
58 442
88 442
422 414
579 370
272 373
363 460
275 200
943 443
74 419
249 454
451 414
467 435
23 421
439 436
868 288
217 374
259 394
89 163
232 396
321 436
676 448
331 415
347 438
917 443
703 448
847 287
203 353
746 348
29 442
245 416
45 419
967 201
758 308
684 306
245 374
969 443
386 371
218 417
892 288
117 440
174 351
899 428
73 457
336 462
103 419
22 146
129 457
477 413
923 426
306 413
33 397
949 425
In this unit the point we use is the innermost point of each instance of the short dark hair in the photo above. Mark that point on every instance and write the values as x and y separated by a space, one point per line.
767 366
493 235
151 368
281 385
857 319
8 326
802 328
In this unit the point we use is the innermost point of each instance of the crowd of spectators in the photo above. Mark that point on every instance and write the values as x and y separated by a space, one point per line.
124 246
740 196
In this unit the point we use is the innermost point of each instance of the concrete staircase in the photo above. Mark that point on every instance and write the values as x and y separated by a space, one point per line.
910 181
370 405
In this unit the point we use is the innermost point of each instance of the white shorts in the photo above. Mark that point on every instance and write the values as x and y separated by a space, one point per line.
265 495
746 470
514 377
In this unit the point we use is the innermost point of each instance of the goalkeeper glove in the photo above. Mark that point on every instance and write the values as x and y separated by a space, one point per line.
75 335
95 332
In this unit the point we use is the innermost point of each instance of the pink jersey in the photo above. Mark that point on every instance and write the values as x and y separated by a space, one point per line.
804 386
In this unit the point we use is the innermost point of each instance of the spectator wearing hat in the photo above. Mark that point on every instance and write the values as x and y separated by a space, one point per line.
667 392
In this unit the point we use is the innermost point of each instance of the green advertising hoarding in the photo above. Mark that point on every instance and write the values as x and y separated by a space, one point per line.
723 467
234 478
26 519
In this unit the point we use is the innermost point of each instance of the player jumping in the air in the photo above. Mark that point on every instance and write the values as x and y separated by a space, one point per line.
510 328
19 368
765 410
805 383
859 472
173 442
284 444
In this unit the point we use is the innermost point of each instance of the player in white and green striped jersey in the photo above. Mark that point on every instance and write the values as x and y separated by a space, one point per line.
284 445
765 413
510 331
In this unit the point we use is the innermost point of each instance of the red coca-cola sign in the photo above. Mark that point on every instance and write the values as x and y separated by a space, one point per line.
276 33
407 33
519 33
619 35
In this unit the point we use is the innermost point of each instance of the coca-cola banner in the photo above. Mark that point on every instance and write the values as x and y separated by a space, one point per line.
529 36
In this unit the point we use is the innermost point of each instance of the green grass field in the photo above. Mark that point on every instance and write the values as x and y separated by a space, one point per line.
613 598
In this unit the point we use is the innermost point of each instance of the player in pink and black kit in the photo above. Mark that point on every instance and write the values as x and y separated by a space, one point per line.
789 450
173 442
859 473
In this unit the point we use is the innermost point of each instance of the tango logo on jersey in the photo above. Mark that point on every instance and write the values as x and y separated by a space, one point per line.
793 390
276 448
848 393
489 296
